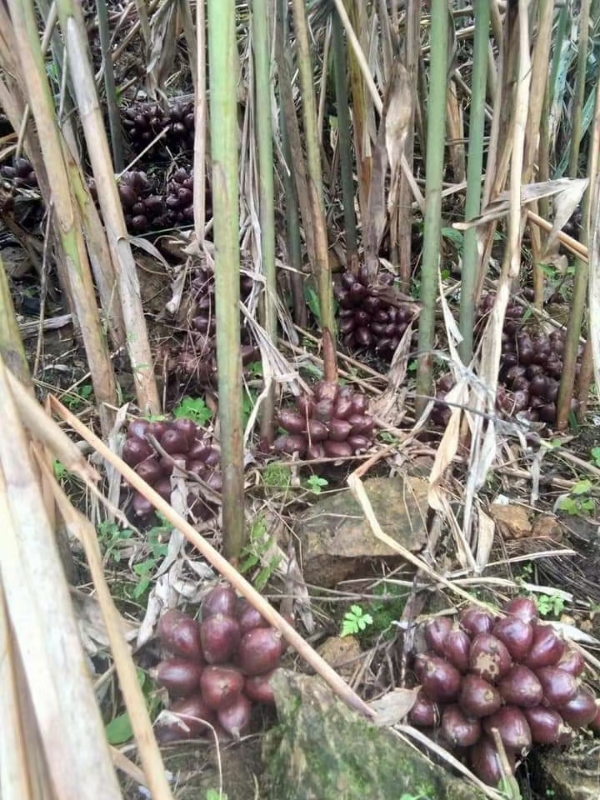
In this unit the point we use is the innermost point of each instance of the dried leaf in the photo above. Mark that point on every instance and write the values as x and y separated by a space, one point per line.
393 706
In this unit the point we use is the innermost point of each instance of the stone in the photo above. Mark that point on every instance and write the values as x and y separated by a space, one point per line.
341 653
322 750
569 777
511 520
547 526
337 542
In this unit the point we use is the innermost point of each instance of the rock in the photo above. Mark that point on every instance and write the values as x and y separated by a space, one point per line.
341 653
321 750
547 526
511 520
569 778
337 541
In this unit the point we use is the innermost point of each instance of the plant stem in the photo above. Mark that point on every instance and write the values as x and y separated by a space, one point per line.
470 270
578 99
109 86
222 51
436 115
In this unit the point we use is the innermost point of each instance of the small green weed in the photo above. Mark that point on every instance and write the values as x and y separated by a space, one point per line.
156 540
550 605
193 408
252 555
355 621
75 400
578 502
316 484
215 794
276 476
119 730
595 454
111 538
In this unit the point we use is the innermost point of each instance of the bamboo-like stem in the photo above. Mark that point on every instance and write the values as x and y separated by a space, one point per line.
201 128
138 345
321 267
412 44
436 111
340 72
190 36
114 121
44 625
579 96
11 345
222 48
580 281
470 270
262 79
239 583
293 239
69 224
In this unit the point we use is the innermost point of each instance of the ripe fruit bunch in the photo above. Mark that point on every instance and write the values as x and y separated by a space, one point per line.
508 672
180 196
216 669
142 207
144 121
368 321
198 356
530 370
332 423
20 174
184 443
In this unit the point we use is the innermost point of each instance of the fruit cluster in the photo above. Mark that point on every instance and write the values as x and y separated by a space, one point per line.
508 673
197 358
143 208
143 122
333 423
530 369
20 174
185 445
368 320
217 668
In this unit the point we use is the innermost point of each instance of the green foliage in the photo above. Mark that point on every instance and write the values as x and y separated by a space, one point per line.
595 454
255 369
215 794
550 604
276 476
578 502
119 730
111 537
456 237
355 621
59 469
388 609
193 408
316 484
248 403
75 400
312 300
253 555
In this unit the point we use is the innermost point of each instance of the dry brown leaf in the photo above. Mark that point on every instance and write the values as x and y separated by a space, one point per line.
393 707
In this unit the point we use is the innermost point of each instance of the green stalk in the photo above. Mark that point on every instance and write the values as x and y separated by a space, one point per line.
262 80
470 270
579 98
201 128
222 55
436 117
340 68
11 345
110 88
322 267
67 216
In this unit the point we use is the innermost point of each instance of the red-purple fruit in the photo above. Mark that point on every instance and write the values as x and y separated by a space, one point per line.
436 631
193 716
174 441
220 636
135 451
424 713
595 723
249 617
291 421
546 725
523 608
458 647
489 657
138 428
571 661
478 698
476 620
179 676
512 727
141 505
149 470
559 687
220 600
235 719
260 650
515 634
547 648
581 709
220 686
186 427
439 679
485 761
521 687
459 730
290 444
258 688
180 635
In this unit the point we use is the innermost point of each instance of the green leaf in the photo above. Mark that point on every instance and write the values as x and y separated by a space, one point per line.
118 730
312 300
582 487
194 409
